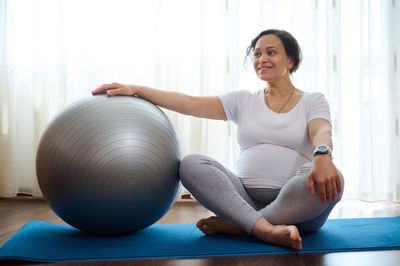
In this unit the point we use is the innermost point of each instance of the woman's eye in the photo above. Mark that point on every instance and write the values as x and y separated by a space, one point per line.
257 54
271 52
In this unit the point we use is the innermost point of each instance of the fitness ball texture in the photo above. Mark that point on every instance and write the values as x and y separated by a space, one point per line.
109 165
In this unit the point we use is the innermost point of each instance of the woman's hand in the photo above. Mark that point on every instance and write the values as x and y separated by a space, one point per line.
325 175
116 89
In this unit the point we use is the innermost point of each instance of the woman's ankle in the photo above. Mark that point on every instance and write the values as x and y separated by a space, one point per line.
262 226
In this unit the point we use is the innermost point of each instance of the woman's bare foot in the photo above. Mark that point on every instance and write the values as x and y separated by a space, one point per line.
283 235
215 225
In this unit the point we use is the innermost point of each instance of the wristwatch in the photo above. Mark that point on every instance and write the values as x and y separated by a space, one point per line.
323 149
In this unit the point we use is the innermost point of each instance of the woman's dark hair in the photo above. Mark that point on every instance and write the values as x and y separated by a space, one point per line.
292 48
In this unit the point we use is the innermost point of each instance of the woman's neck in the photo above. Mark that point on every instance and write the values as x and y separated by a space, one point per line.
280 88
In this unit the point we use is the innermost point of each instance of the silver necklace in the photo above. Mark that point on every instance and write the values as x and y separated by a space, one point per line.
266 98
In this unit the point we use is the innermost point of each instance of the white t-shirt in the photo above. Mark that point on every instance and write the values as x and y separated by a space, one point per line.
272 145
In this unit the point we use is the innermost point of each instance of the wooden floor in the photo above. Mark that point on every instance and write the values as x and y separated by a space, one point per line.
15 212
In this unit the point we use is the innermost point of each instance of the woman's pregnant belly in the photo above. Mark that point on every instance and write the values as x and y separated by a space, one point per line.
268 165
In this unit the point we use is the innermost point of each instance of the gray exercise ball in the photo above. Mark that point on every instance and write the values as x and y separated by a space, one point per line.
109 165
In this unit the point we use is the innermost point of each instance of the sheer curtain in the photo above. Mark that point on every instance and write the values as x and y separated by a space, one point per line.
369 82
54 52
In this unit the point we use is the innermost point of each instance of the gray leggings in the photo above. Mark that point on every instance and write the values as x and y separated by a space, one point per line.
222 192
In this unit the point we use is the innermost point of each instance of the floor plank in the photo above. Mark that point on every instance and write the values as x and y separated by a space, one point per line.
15 212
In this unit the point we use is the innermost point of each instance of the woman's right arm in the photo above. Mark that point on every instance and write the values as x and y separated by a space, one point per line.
204 107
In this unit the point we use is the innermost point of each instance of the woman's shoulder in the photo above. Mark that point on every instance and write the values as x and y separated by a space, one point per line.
241 94
314 96
245 92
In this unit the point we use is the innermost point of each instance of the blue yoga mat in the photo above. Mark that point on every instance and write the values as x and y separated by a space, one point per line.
46 242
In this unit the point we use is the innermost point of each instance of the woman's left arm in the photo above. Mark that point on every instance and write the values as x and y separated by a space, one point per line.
324 173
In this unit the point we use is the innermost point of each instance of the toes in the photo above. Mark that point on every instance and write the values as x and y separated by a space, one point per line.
294 233
298 244
201 223
206 221
206 230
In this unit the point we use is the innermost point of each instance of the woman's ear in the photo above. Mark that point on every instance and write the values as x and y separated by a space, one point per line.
291 63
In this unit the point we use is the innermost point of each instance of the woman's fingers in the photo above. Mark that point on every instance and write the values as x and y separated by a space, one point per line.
339 184
330 189
113 89
104 88
334 189
329 184
119 91
311 185
322 191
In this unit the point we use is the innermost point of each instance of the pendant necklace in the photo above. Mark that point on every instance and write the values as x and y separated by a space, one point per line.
266 98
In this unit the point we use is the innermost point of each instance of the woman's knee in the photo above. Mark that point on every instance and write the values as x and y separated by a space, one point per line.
304 171
187 164
339 197
193 166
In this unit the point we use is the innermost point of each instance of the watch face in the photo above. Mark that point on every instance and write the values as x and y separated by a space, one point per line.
323 149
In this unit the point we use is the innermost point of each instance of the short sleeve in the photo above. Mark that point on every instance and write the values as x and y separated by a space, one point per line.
319 108
231 102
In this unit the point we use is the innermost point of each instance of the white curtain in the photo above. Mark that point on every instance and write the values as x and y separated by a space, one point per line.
54 52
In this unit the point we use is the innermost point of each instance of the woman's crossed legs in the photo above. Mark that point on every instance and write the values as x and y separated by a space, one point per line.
273 216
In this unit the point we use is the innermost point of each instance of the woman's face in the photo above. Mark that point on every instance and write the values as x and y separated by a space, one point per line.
270 60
